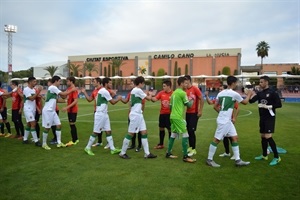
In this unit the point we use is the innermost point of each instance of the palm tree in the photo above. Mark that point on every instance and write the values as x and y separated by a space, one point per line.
116 64
90 67
51 70
262 49
74 69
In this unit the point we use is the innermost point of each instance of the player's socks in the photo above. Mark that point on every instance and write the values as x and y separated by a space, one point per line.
110 142
7 124
161 137
125 144
33 133
226 144
212 150
171 142
74 132
91 141
45 135
264 146
145 144
26 133
58 135
236 150
273 147
184 144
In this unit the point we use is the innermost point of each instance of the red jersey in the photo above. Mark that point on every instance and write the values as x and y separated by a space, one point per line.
195 94
16 100
38 100
1 98
164 98
71 97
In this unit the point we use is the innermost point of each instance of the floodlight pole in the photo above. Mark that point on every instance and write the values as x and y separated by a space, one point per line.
10 29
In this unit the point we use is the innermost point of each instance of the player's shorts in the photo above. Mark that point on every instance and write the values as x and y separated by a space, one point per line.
164 121
101 122
225 130
178 126
29 115
16 116
4 114
72 117
50 118
267 125
136 123
191 121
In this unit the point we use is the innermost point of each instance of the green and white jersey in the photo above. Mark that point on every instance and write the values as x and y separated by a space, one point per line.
226 100
51 98
28 104
102 99
136 97
178 101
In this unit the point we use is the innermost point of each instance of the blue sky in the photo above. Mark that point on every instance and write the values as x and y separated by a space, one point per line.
52 30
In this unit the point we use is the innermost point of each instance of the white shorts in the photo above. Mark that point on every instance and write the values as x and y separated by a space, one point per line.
50 118
29 115
225 130
101 122
137 123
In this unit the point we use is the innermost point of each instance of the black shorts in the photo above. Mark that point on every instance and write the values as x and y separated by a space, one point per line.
4 114
164 121
15 116
191 121
267 125
37 116
72 117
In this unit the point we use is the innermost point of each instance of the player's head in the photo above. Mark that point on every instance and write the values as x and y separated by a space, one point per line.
97 81
14 84
131 83
167 84
222 87
71 80
232 81
182 82
188 78
264 82
55 80
139 81
106 82
31 81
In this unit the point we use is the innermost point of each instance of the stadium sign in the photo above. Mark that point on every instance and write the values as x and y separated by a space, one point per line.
106 58
168 56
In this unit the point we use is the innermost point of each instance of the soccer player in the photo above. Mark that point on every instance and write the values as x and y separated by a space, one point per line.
164 116
178 102
136 118
233 119
193 113
16 109
139 133
3 112
50 117
30 94
38 102
72 109
268 101
101 117
224 106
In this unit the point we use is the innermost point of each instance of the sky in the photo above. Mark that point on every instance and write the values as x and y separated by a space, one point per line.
52 30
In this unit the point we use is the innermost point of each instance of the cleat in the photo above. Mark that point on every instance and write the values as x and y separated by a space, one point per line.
97 144
2 134
25 142
159 146
131 147
192 152
138 149
38 144
189 149
53 141
60 145
261 157
240 163
189 159
45 146
124 156
212 163
169 155
20 137
70 143
76 142
107 146
232 158
150 155
225 155
89 152
7 135
115 151
275 161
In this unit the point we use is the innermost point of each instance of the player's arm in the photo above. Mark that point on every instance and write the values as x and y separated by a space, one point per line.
67 92
75 101
154 99
114 101
246 100
87 97
126 100
235 113
277 102
200 105
210 102
217 106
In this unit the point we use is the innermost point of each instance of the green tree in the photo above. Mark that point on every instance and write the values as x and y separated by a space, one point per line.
175 74
235 72
74 69
90 67
51 70
226 70
186 70
116 65
293 81
105 71
108 73
262 49
158 82
178 71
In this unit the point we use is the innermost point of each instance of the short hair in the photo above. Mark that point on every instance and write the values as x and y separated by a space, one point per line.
98 80
31 78
181 80
105 81
72 79
231 80
139 80
168 83
15 83
55 78
266 78
224 86
188 77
